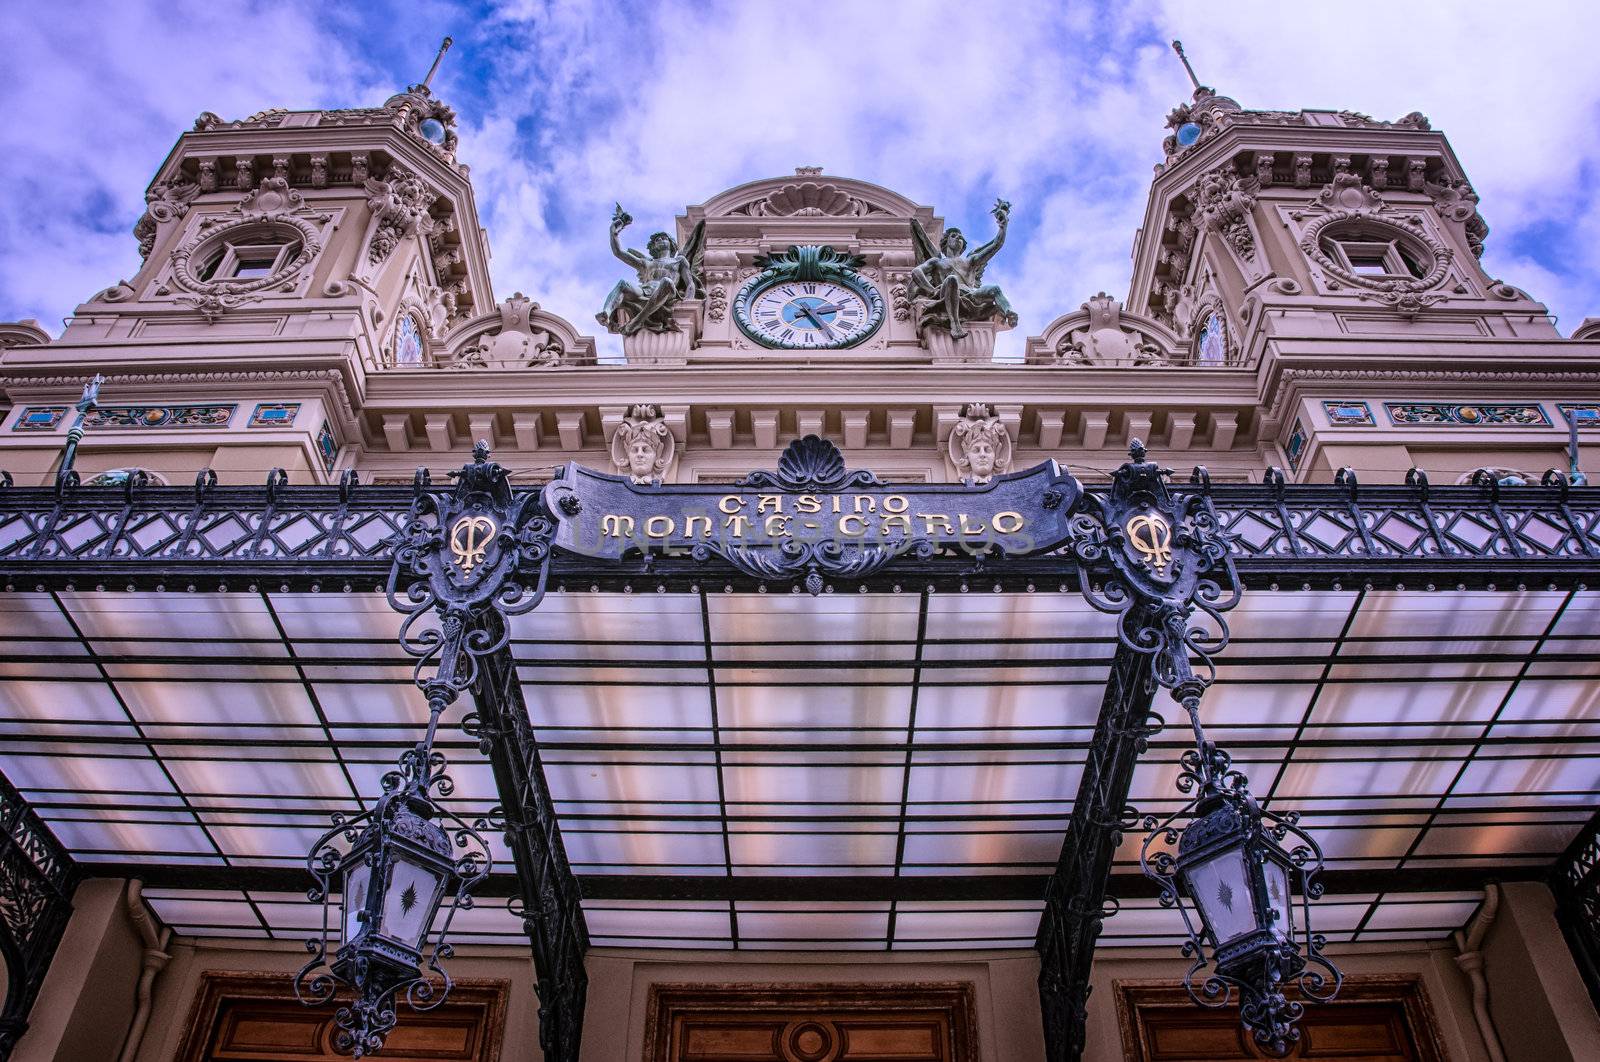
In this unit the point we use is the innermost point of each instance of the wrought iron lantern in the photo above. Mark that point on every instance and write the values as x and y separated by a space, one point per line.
392 867
1233 879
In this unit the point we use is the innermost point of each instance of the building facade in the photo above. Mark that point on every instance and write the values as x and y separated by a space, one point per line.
1308 306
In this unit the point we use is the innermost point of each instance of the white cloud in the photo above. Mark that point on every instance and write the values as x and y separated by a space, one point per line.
570 105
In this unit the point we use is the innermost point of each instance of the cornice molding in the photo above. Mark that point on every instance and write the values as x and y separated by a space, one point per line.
334 380
1286 383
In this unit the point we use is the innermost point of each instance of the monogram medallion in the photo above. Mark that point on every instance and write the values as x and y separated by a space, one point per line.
470 538
1150 536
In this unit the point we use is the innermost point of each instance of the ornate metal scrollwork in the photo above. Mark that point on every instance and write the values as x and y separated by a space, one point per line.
461 553
1152 559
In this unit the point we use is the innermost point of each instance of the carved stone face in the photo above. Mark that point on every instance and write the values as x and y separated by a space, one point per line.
981 457
954 242
641 458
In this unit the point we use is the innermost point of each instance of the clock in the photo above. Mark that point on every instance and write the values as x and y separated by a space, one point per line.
808 299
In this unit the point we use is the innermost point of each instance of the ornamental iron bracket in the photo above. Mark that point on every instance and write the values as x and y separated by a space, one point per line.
1151 558
464 552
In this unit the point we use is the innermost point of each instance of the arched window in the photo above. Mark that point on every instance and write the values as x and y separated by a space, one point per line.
1211 341
409 347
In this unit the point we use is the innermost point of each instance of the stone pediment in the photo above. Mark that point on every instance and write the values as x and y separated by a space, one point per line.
808 193
1103 335
516 334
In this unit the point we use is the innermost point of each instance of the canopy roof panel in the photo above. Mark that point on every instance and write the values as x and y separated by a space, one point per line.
784 736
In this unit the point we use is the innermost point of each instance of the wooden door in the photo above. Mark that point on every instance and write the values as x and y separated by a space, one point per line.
811 1023
1375 1019
255 1018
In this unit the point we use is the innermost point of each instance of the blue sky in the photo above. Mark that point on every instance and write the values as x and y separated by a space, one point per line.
568 106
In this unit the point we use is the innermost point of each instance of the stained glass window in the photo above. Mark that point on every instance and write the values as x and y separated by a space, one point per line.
1213 346
408 342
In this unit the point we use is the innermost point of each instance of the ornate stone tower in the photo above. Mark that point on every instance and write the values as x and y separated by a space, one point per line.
1338 255
285 257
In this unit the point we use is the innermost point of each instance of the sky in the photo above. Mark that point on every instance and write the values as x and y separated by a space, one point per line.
565 106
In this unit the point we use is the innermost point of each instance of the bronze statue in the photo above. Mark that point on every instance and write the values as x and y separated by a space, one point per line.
948 286
666 276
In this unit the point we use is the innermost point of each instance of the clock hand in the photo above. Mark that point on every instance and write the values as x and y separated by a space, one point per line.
812 317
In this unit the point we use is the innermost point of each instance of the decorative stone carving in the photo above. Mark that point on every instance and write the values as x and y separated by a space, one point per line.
1347 193
1347 201
1456 201
808 199
208 175
666 275
947 289
166 201
517 345
207 121
643 446
400 203
273 205
1105 341
1222 201
979 445
717 292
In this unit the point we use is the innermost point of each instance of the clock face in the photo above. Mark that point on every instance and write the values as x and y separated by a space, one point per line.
809 315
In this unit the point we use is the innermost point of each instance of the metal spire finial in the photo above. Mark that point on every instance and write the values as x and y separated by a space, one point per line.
434 69
1177 46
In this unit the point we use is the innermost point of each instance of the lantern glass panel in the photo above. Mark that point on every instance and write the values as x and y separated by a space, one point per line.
1280 898
1220 887
357 879
410 902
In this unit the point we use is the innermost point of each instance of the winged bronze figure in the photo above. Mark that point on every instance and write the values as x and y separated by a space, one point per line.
666 276
948 288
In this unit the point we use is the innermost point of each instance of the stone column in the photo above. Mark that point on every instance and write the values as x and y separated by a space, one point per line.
1537 998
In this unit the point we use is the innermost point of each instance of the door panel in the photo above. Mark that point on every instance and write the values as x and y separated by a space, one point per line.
255 1018
1375 1019
811 1023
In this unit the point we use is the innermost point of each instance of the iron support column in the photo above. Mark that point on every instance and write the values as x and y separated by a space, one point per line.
549 896
1075 897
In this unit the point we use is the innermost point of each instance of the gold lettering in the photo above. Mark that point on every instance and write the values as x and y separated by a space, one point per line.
770 503
808 503
689 526
616 526
929 519
838 499
1013 522
968 529
777 525
858 531
871 505
726 499
896 503
660 526
900 521
736 523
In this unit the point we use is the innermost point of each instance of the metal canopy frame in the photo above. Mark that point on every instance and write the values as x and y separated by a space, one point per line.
280 539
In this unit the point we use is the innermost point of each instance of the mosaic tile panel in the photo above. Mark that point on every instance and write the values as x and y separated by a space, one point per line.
209 416
1349 414
1295 448
39 418
327 446
1462 414
274 414
1587 415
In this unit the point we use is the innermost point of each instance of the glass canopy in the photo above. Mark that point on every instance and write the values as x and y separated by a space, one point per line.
790 737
